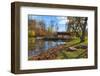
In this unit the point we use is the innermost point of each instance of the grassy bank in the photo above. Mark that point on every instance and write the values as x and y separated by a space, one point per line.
79 53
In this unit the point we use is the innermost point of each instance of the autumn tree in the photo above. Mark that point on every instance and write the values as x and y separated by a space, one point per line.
31 28
40 26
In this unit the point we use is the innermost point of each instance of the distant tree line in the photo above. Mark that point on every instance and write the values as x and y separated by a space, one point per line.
77 25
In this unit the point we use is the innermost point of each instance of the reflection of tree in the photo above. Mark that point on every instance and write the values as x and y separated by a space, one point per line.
40 44
31 43
78 26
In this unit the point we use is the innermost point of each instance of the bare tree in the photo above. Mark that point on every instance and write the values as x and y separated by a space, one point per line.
83 29
78 26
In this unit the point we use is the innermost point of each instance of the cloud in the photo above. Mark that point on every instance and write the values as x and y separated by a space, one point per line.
62 20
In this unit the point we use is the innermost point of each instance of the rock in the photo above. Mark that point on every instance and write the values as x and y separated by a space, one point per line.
81 46
84 46
72 49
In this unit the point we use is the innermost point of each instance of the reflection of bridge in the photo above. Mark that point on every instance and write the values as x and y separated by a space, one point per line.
54 39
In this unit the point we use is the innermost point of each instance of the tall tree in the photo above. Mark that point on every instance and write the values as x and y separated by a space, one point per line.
41 28
78 26
83 29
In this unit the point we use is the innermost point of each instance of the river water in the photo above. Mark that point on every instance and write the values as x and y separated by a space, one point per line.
39 45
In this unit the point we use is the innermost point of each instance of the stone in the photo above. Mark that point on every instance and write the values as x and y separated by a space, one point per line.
81 46
84 46
72 49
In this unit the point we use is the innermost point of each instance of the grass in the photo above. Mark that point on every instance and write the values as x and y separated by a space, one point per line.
79 53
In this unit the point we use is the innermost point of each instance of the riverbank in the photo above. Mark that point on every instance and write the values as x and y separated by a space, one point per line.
63 51
50 54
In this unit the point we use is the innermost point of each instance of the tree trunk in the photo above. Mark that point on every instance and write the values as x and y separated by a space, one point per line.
82 38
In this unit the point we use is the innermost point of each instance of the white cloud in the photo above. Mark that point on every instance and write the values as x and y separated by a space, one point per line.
62 20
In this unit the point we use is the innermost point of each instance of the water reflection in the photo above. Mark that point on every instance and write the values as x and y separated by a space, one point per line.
37 46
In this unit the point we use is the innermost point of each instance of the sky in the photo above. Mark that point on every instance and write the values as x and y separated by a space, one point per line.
59 22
